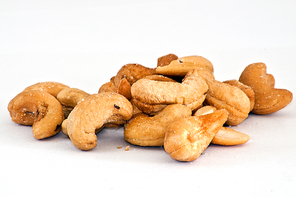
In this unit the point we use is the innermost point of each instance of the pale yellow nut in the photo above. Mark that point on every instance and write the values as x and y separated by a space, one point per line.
228 137
182 66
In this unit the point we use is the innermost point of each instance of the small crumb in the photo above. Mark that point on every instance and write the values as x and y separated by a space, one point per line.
127 148
119 147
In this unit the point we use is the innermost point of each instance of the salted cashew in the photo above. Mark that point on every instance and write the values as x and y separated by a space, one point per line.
144 130
92 113
124 88
132 72
166 59
71 96
52 88
37 108
233 99
182 66
246 89
267 98
225 136
192 89
186 138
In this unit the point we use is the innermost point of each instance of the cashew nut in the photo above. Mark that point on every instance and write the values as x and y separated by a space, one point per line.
92 113
182 66
186 138
267 98
52 88
37 108
144 130
166 60
226 136
189 91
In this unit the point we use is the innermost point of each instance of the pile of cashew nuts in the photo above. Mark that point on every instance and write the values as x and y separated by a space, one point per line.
178 105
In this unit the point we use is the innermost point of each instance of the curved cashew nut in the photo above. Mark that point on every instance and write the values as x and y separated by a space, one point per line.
267 98
182 66
144 130
52 88
190 90
93 113
37 108
186 138
71 96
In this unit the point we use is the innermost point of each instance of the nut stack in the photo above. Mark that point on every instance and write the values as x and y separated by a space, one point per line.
178 105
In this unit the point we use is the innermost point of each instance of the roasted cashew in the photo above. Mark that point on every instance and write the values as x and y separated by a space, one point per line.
189 91
186 138
246 89
37 108
224 96
124 88
144 130
182 66
132 72
226 136
71 96
52 88
267 98
166 59
92 113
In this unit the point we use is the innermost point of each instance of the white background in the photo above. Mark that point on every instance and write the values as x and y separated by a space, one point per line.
84 43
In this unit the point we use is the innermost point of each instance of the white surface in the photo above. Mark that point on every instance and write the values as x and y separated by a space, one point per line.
84 43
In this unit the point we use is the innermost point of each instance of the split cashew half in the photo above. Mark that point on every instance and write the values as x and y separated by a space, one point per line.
37 108
92 114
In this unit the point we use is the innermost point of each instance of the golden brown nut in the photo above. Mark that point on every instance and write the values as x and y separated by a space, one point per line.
92 113
246 89
124 88
231 98
37 108
166 59
189 91
186 138
182 66
228 137
267 98
52 88
132 72
71 96
225 136
150 109
144 130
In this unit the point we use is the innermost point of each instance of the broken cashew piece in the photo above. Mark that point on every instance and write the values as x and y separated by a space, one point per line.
182 66
92 114
186 138
37 108
226 136
144 130
267 98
